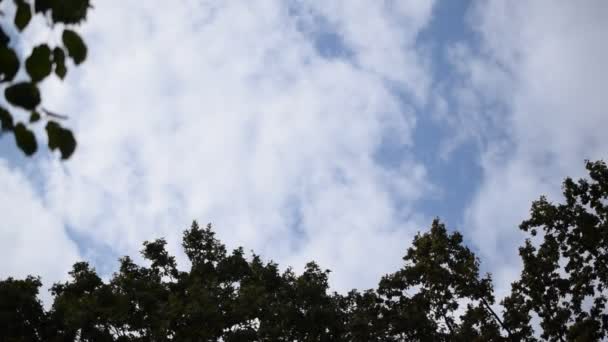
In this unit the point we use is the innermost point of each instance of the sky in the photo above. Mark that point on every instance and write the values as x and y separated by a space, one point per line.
331 131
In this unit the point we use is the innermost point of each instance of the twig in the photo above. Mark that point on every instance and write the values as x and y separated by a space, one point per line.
55 115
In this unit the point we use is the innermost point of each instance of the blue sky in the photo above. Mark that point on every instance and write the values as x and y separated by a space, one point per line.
303 130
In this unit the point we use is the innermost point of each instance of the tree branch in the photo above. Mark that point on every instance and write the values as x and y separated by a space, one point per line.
502 324
54 115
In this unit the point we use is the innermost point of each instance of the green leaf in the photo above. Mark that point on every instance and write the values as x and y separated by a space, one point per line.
75 46
24 94
9 64
60 138
59 59
4 39
34 117
23 14
70 11
25 139
38 64
42 5
6 119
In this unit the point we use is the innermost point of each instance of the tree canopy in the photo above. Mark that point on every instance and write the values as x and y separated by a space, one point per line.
21 90
438 294
565 276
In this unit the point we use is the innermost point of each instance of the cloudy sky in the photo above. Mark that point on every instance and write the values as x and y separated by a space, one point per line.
325 130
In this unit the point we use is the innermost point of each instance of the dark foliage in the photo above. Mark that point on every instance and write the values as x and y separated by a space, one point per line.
565 276
43 60
438 294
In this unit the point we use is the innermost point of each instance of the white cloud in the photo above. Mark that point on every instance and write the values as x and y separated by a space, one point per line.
31 238
540 76
226 112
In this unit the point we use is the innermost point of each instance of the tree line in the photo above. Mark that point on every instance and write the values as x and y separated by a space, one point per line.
437 295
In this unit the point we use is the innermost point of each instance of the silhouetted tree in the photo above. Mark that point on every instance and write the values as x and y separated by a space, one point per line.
222 296
22 317
565 276
43 60
438 294
422 299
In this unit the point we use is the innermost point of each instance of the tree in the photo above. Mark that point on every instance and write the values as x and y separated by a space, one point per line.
438 294
21 314
226 296
221 296
565 277
422 298
23 95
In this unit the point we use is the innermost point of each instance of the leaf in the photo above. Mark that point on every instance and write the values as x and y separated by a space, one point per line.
23 14
6 119
42 5
25 139
9 64
34 117
70 11
38 64
60 138
59 59
4 39
24 94
75 46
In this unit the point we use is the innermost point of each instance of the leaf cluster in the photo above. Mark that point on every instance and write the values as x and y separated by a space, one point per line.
564 280
42 61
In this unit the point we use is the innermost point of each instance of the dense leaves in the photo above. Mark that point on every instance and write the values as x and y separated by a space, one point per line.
438 294
42 61
439 274
227 296
22 317
565 277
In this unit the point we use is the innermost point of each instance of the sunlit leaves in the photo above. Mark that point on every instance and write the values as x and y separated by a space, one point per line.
75 46
60 138
38 64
